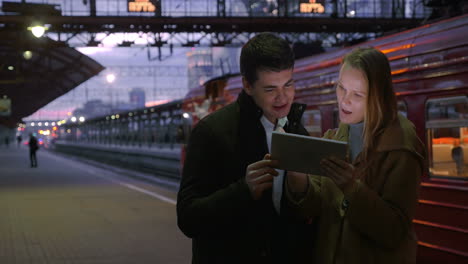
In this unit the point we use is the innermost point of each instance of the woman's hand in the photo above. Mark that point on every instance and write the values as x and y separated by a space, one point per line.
297 182
341 172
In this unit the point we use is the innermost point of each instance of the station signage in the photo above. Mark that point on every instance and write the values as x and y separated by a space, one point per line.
139 6
311 6
5 107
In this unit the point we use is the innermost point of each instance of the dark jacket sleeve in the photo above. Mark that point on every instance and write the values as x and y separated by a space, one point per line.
205 205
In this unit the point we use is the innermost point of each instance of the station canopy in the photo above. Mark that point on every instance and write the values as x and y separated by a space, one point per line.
34 72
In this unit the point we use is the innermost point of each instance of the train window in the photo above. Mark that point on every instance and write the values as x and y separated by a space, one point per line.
312 121
447 130
402 108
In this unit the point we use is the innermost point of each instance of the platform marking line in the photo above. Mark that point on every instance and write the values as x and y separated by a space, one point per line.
128 185
152 194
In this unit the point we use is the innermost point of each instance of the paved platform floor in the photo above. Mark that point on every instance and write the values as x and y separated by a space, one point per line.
65 211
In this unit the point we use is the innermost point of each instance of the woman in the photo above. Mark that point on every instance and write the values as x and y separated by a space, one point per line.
364 209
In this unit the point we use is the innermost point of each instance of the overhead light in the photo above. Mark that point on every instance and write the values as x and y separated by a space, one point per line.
38 31
10 68
110 78
27 54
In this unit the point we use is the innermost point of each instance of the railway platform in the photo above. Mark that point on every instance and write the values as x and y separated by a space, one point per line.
67 211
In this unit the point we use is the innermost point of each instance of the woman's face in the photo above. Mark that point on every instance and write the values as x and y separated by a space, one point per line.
351 92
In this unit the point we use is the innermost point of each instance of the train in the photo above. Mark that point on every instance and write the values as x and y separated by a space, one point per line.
430 78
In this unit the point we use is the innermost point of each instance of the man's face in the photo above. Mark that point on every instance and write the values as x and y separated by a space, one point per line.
273 92
351 93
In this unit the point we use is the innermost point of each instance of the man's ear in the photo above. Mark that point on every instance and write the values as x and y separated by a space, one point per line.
247 87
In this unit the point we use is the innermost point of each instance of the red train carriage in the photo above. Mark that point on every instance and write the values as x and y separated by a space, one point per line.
207 98
202 100
430 76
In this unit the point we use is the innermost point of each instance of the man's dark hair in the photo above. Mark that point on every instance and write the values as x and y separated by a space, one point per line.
265 52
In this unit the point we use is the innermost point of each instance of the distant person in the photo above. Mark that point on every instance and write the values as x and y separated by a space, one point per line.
19 139
7 141
364 205
180 134
457 156
229 200
33 147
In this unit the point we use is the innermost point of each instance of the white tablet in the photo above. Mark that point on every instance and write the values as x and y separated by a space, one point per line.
303 153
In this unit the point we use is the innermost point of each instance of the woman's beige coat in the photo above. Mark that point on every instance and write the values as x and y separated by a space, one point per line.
369 223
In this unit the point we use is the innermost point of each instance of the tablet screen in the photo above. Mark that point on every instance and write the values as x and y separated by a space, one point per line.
304 153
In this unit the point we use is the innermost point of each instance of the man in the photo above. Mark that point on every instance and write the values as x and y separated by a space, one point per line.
7 141
225 200
33 147
19 139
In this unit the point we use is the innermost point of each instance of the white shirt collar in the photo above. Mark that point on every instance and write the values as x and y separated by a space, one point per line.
270 126
267 124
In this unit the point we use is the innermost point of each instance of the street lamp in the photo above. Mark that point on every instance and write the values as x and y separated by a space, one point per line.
110 78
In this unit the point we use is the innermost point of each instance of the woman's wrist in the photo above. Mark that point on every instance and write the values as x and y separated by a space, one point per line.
297 183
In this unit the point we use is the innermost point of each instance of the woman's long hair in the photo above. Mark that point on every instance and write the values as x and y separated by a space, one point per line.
381 101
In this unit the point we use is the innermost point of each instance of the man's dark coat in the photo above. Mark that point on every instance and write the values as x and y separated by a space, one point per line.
214 205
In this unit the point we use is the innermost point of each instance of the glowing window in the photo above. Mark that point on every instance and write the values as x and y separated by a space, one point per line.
312 121
447 134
